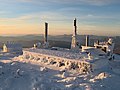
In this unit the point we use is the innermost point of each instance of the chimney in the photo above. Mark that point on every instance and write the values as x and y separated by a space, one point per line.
87 40
46 32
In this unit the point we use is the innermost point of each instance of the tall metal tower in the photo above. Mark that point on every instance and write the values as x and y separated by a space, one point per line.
75 26
46 32
74 43
46 43
87 40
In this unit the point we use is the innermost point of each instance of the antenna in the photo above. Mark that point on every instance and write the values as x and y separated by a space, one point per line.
75 26
87 40
46 32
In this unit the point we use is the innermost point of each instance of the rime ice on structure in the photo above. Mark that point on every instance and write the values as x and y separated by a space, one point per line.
46 43
100 49
107 47
11 47
37 45
74 43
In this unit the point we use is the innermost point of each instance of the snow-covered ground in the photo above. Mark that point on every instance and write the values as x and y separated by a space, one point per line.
23 73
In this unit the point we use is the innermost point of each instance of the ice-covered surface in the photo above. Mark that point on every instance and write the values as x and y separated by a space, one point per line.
67 54
29 74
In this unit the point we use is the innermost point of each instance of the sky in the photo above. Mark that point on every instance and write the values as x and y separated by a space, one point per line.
94 17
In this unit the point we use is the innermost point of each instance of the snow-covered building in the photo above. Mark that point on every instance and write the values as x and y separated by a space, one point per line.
100 49
107 47
13 48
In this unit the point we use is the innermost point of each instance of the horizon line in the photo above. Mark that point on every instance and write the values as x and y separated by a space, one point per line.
5 35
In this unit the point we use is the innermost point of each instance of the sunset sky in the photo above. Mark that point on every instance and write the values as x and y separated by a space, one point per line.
97 17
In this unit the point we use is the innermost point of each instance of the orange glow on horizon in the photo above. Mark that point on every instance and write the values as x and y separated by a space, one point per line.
23 27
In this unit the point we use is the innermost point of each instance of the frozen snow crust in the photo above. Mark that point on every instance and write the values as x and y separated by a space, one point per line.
53 58
35 71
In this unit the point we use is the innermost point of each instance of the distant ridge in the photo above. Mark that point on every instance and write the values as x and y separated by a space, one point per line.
65 40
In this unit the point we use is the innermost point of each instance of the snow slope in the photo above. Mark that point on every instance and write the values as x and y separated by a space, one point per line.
30 74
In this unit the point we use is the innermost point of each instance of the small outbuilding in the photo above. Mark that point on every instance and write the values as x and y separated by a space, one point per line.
13 48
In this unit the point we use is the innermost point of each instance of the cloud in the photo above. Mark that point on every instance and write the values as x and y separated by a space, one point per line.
60 25
89 2
54 16
90 15
100 2
3 12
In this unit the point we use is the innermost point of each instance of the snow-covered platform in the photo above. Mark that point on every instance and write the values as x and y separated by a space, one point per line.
55 53
67 60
